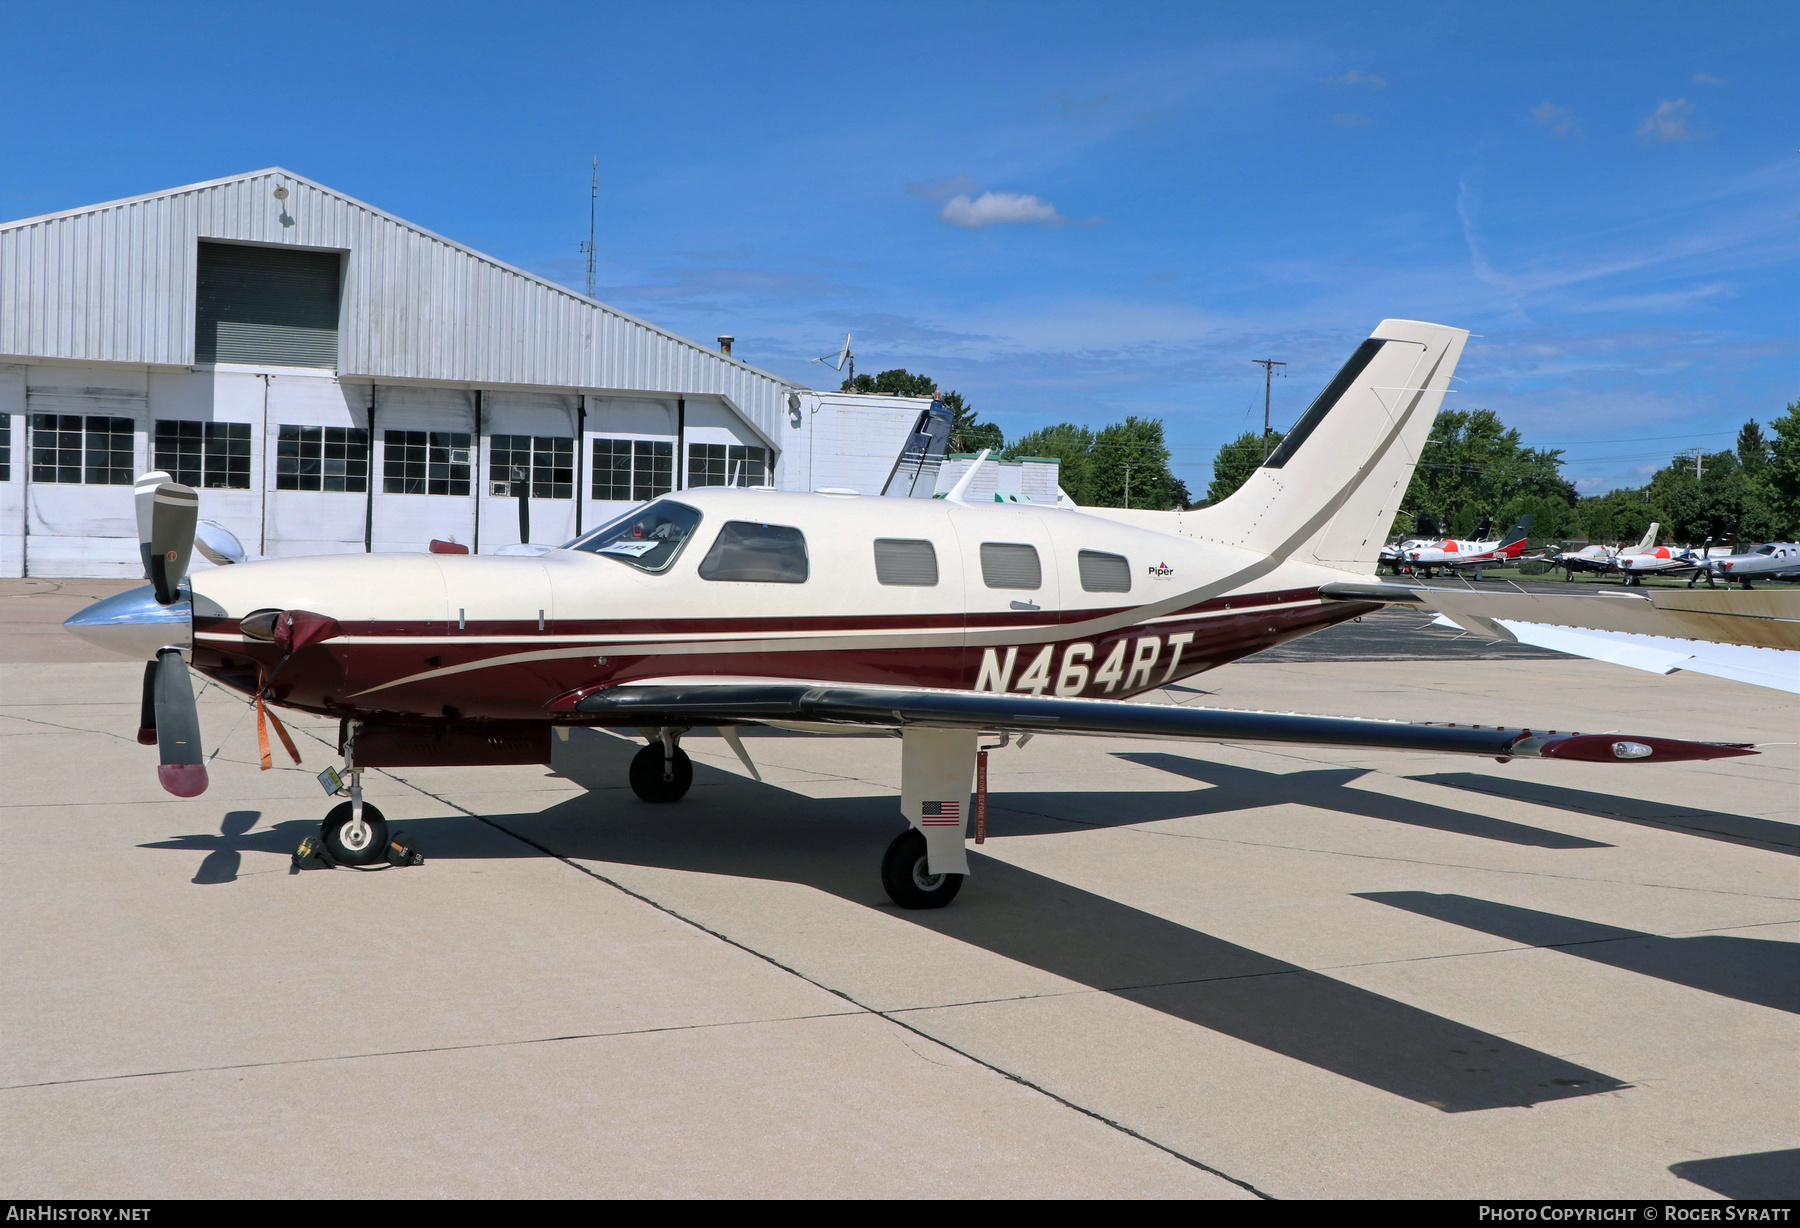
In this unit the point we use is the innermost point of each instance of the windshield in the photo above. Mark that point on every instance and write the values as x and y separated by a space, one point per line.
1763 550
648 538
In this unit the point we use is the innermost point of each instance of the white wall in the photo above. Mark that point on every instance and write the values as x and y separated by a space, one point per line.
846 440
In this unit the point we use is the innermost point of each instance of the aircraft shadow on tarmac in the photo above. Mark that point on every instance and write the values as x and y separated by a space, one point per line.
1764 1174
1762 971
1767 834
1239 788
732 826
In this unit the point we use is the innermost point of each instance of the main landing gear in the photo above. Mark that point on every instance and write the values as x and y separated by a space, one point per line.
662 771
906 874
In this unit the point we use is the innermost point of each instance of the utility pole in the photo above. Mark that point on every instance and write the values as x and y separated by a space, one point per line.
588 247
1268 365
1699 464
1127 468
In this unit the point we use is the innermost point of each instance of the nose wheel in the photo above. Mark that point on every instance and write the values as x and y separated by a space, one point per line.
903 873
352 842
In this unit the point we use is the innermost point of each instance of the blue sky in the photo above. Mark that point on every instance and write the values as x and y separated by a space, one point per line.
1065 211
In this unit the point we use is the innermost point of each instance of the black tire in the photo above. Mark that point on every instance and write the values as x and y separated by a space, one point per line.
331 831
903 874
647 774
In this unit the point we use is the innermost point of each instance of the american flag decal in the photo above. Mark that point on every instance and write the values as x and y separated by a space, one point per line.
940 814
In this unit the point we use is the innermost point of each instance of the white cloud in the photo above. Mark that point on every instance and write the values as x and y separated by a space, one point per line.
1668 123
942 189
999 209
1354 80
1704 78
1560 120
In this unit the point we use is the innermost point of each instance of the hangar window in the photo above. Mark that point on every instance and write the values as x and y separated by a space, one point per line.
1010 565
268 306
322 458
648 539
633 469
76 448
720 464
1104 573
212 455
5 447
900 561
756 553
425 463
546 461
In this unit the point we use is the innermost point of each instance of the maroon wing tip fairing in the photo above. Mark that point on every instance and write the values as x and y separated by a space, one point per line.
1611 748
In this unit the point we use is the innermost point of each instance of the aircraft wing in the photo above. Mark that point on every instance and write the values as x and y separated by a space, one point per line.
1747 636
727 702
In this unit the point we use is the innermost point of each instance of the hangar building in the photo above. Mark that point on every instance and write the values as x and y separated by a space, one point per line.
334 378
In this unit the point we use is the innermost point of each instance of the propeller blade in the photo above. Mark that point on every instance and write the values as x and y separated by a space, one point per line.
144 494
175 511
183 768
147 707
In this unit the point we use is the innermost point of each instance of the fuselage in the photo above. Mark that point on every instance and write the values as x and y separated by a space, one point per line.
1112 610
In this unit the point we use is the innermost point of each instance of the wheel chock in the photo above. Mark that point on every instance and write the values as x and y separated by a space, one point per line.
312 855
400 851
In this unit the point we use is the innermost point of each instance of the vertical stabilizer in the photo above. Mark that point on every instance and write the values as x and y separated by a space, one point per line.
1329 492
1649 538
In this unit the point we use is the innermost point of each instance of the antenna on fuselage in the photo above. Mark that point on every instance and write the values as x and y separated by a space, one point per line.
962 484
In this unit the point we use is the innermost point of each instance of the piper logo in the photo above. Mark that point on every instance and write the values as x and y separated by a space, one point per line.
1162 571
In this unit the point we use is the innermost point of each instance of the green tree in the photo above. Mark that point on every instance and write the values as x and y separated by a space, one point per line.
1779 482
1236 461
1138 443
1721 500
1474 465
1752 448
969 433
1069 444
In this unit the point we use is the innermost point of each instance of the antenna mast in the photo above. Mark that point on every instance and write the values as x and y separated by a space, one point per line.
1268 365
588 247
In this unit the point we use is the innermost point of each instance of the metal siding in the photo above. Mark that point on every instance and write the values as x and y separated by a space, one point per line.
115 283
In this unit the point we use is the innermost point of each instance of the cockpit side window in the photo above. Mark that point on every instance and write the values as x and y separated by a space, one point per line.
757 553
648 539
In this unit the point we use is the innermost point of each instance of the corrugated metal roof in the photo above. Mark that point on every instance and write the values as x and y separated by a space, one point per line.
114 282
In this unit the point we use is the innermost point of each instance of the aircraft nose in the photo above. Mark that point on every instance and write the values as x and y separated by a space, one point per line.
133 624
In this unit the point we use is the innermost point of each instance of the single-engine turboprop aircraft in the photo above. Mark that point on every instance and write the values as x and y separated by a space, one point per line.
1453 555
935 619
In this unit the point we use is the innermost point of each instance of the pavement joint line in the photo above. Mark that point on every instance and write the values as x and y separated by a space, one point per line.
486 1044
841 994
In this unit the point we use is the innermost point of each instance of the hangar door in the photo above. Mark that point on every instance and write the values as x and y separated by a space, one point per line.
269 306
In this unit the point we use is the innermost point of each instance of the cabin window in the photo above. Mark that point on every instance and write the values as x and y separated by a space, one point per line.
905 562
1104 573
756 553
1011 565
649 538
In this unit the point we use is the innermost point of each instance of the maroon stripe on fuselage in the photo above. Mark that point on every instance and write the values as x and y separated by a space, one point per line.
326 677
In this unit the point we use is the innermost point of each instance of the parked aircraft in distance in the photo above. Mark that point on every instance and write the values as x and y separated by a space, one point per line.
1600 558
934 619
1775 560
1452 556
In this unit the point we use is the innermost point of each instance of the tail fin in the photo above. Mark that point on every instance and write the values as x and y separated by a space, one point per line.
1649 537
915 470
1483 529
1520 532
1329 492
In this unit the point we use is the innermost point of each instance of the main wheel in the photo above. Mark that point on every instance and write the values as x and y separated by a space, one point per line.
648 769
354 845
903 874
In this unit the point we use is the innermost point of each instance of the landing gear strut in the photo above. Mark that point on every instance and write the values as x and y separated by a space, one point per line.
662 771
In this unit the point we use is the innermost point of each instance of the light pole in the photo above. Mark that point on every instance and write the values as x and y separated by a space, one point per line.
1268 365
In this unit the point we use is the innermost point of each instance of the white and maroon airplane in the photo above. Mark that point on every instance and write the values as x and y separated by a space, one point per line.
1451 555
936 619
